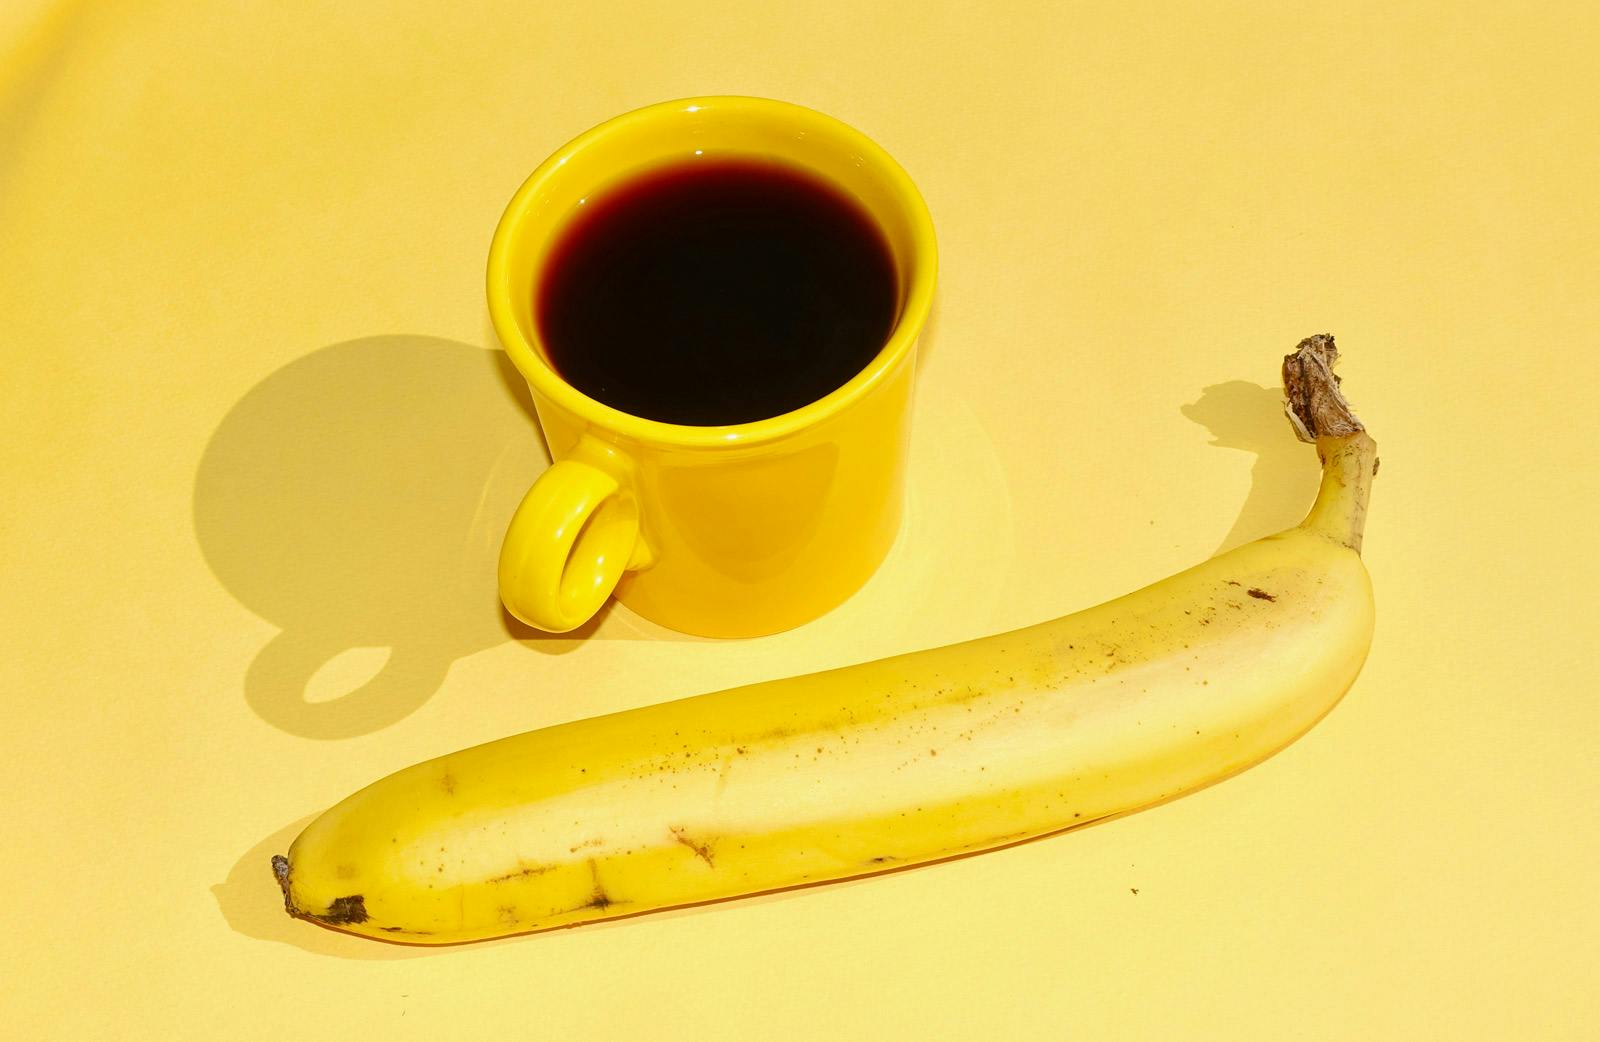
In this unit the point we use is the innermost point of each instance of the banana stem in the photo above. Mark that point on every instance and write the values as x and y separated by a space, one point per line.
1321 415
1340 512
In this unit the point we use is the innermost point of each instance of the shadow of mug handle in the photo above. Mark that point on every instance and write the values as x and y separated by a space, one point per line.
275 687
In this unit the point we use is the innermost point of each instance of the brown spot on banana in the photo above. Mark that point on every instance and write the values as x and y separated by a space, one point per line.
522 872
352 909
702 850
599 899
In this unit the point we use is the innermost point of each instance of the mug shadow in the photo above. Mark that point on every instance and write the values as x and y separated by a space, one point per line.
1284 478
356 499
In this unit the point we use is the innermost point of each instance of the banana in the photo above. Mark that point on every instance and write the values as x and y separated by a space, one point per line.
880 765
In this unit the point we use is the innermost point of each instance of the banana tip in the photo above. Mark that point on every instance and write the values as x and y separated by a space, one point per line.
280 871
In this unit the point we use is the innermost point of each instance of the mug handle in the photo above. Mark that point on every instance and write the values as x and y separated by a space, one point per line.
568 543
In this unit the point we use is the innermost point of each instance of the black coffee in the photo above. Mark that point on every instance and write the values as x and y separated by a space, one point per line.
717 292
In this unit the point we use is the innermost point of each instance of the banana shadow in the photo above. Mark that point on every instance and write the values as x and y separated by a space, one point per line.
356 498
1283 479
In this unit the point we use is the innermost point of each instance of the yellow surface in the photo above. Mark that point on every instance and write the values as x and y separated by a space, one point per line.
253 433
729 531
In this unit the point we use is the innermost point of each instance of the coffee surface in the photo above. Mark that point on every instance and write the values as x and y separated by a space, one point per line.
716 292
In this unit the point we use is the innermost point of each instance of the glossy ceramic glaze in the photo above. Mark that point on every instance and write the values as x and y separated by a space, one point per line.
722 531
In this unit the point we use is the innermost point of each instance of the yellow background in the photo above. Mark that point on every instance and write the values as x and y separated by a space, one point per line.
248 391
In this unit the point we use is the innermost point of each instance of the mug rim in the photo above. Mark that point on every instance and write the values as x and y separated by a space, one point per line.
913 313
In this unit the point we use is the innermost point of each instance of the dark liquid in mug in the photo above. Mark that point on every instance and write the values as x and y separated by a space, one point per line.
716 292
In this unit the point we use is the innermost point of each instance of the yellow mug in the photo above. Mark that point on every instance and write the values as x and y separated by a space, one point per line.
726 531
